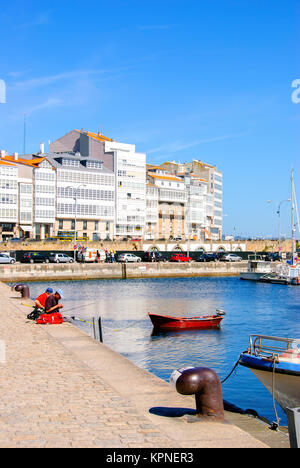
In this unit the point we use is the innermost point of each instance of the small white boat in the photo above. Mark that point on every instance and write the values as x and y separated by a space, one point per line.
284 274
276 363
257 268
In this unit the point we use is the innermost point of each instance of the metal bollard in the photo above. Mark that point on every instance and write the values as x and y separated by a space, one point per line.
100 330
205 384
293 417
23 289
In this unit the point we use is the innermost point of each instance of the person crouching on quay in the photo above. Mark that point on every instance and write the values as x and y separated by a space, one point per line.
52 303
40 301
39 304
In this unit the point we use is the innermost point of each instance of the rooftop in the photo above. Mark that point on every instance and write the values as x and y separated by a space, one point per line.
56 160
166 177
33 162
97 136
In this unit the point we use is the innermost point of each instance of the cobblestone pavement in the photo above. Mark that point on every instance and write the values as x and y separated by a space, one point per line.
50 400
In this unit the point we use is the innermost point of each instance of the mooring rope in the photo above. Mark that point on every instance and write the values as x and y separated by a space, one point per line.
233 369
274 425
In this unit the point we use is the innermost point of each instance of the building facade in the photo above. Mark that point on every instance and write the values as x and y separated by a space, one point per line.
47 195
212 178
8 200
103 189
169 203
129 168
85 196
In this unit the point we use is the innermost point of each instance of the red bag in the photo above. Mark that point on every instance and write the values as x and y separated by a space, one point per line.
53 319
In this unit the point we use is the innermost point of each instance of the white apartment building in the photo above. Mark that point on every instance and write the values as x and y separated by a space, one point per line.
129 168
213 179
130 187
167 203
44 198
138 211
8 199
196 207
217 191
152 212
26 205
27 180
85 196
42 195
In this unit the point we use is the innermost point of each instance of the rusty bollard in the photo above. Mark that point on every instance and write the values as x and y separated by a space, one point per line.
205 384
23 289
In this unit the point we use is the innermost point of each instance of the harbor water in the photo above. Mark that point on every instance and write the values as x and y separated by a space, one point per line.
251 308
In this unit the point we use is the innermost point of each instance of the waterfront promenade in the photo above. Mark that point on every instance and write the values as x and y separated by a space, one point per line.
60 388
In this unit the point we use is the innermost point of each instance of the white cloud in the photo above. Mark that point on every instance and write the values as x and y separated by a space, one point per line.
51 102
179 145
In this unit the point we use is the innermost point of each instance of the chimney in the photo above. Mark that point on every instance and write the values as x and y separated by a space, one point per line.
42 148
16 156
3 153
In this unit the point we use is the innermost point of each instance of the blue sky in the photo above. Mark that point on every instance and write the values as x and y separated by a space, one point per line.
182 79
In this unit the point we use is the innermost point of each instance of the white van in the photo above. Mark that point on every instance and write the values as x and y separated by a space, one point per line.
90 255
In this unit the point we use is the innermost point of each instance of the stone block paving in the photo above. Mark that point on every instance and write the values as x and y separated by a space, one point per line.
48 400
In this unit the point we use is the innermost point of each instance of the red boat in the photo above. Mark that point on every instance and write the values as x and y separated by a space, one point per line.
168 323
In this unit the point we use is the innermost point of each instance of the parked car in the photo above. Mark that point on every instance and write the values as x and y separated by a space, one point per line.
180 258
154 257
128 257
34 257
208 257
60 258
230 258
178 239
6 258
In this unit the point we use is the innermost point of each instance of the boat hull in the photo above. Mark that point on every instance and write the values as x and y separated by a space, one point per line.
286 379
165 322
251 276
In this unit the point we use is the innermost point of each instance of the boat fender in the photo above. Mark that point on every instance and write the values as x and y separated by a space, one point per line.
23 289
205 384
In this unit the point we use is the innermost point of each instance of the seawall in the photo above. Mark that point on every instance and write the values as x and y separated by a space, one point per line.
78 271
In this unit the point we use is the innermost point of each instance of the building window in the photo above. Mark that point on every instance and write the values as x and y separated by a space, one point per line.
70 162
73 224
84 225
61 224
96 225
